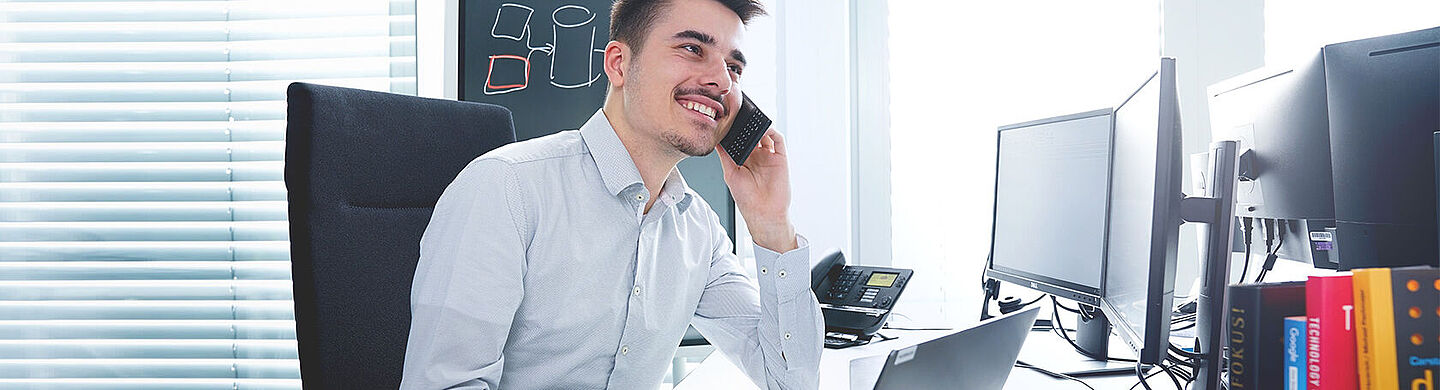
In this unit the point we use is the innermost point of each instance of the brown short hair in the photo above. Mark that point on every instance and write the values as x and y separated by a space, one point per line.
630 20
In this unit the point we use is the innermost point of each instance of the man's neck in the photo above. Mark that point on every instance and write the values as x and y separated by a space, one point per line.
650 158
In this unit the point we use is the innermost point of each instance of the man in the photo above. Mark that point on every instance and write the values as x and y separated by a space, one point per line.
577 260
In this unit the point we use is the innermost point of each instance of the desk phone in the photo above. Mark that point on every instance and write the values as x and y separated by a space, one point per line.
855 300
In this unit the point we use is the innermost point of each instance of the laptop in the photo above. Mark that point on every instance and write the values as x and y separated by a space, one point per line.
979 357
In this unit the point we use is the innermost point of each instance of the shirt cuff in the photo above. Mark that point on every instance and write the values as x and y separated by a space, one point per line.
788 272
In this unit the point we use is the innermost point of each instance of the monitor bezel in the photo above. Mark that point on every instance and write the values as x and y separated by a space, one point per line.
1165 225
1045 284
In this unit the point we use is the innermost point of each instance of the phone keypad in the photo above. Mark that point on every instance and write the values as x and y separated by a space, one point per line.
844 284
747 132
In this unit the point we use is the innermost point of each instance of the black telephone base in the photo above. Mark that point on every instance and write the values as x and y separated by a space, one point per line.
835 340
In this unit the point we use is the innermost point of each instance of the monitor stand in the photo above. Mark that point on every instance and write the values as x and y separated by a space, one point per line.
1092 333
1216 209
1093 339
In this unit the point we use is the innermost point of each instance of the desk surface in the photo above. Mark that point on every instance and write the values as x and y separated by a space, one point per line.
1043 349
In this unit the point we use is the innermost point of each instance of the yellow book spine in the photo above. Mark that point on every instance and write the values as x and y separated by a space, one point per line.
1363 353
1382 325
1374 330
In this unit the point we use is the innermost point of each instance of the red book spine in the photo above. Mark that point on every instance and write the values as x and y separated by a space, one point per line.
1330 306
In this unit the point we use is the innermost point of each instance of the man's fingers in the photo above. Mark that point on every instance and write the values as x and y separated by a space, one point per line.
727 164
767 143
778 141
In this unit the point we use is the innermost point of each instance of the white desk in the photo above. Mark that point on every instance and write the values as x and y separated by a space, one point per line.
1042 349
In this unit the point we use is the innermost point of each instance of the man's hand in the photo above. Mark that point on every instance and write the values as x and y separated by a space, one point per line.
761 189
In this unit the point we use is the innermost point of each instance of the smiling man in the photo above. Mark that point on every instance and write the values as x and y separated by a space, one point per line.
577 260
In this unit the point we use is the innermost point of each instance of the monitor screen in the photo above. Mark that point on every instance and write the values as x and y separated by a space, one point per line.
1050 195
1143 227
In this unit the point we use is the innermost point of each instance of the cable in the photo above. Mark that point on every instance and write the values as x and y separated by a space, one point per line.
1032 301
1170 374
1059 329
1067 308
1184 353
1177 374
1269 225
1139 373
1248 224
1052 373
1275 254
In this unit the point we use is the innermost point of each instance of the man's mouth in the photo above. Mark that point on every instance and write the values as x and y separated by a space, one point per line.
701 108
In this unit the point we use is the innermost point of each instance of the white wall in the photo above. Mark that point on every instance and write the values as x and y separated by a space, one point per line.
813 111
1211 41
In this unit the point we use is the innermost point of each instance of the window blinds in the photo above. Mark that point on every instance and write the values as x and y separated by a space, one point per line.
143 241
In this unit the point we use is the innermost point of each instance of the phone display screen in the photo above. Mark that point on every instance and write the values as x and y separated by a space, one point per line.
881 279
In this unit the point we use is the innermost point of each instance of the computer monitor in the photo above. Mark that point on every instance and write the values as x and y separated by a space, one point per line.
1051 181
1138 282
1279 116
1384 101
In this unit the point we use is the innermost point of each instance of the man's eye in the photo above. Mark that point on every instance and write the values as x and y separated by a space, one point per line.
736 68
691 48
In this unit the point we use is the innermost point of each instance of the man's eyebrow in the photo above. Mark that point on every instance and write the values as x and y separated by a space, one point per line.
709 40
738 56
696 35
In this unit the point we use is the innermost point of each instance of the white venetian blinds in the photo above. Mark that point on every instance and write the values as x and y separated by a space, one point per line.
143 241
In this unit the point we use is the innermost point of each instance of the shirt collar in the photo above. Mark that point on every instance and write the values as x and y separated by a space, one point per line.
617 170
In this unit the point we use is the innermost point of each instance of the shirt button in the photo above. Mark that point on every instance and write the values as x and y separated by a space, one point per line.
764 271
624 349
782 273
637 290
787 335
639 197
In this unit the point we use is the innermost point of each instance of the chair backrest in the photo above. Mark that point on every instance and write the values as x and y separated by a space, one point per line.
364 170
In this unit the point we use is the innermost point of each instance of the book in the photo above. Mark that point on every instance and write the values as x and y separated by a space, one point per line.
1397 327
1295 378
1255 321
1330 337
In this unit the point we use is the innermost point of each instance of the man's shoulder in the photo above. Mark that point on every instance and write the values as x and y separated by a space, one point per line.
554 146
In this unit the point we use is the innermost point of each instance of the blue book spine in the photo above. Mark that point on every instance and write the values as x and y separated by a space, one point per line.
1295 353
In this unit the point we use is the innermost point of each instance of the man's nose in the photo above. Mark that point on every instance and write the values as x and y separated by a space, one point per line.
717 79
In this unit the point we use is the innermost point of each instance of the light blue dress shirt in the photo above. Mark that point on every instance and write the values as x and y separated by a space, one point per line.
540 269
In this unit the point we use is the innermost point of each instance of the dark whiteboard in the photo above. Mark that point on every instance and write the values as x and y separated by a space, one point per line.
542 60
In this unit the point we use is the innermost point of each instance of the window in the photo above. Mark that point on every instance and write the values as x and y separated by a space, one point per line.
143 234
959 70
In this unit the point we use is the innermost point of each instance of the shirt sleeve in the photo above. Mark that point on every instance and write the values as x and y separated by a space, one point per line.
464 298
775 332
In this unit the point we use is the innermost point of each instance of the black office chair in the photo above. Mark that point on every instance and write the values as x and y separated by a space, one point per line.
364 170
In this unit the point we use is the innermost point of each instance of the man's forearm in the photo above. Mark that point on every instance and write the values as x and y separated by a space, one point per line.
777 235
791 326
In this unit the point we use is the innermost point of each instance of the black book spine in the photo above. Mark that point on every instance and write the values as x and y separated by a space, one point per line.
1256 322
1242 321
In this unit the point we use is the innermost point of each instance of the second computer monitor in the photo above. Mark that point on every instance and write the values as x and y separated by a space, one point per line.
1051 179
1138 284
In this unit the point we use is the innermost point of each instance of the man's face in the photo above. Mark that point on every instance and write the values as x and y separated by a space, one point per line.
682 87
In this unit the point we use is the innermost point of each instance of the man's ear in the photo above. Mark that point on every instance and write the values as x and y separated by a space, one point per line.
617 57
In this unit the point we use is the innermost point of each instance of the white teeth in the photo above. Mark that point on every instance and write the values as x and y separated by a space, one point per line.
700 108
